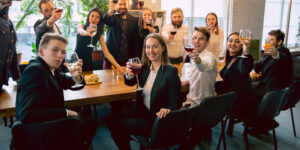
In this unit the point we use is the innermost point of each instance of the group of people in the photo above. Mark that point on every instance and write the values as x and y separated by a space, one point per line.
40 88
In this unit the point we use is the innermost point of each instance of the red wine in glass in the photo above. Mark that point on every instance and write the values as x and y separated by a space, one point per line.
115 1
173 32
189 49
59 10
141 4
136 69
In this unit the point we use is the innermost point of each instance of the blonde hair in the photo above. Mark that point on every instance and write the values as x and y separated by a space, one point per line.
216 25
164 58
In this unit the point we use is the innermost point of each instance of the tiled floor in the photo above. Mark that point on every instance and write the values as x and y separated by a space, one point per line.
285 137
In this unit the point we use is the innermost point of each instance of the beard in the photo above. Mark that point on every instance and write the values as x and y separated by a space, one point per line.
123 12
178 24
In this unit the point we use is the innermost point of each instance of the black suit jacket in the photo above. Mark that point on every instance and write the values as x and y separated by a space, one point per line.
114 35
40 28
276 73
40 94
165 91
8 55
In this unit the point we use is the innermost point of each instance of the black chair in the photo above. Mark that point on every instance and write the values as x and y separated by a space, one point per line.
168 131
267 110
293 95
213 110
61 134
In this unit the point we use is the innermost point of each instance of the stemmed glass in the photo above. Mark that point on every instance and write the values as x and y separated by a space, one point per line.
244 35
93 31
188 43
141 4
267 44
149 22
71 61
173 32
136 67
116 2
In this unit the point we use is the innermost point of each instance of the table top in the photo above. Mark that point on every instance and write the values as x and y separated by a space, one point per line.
111 88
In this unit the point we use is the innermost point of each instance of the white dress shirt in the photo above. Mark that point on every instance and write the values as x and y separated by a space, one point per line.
215 44
201 77
176 49
148 86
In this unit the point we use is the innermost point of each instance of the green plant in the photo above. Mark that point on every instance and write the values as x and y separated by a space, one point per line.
87 5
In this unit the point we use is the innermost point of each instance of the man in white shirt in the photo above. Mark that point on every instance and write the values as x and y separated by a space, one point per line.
175 41
203 69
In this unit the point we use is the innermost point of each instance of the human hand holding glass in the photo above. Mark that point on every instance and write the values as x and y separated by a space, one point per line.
245 34
173 31
93 32
135 66
74 65
188 43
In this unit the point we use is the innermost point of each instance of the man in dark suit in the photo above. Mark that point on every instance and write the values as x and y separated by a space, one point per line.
40 90
47 24
8 55
276 67
121 33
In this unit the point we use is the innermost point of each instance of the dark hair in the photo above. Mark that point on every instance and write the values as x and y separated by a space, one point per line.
217 24
279 35
43 2
227 56
5 2
164 57
141 21
204 31
47 37
100 24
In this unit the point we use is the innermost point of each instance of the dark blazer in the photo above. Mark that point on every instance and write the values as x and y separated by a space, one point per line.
165 91
8 55
40 28
236 78
40 94
114 35
276 73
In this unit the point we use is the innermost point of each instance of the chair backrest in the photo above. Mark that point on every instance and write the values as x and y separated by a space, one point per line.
296 68
293 95
61 134
271 104
172 129
213 109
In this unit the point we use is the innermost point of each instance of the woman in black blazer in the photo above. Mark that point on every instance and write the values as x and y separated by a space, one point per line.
235 75
160 94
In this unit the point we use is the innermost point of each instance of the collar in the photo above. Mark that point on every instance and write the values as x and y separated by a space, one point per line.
155 71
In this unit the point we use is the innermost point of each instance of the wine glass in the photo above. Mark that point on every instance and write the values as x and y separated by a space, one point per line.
149 22
116 2
136 67
141 4
173 32
244 35
93 31
188 43
267 44
71 61
57 8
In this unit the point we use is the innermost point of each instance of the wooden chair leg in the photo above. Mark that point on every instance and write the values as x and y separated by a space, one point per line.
245 135
293 123
274 138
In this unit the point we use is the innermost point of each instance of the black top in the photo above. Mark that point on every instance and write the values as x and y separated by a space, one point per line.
84 52
40 94
276 73
164 93
236 78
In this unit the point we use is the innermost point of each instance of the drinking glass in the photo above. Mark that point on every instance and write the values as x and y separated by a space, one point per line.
188 43
93 30
57 8
116 2
149 22
244 35
267 44
141 4
173 32
71 60
136 67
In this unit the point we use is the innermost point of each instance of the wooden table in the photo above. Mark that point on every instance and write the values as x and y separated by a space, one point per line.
111 88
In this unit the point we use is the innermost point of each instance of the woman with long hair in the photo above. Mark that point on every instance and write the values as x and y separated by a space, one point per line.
84 39
160 94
